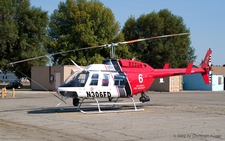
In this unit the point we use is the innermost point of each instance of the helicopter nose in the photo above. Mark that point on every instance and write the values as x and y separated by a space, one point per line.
65 93
61 91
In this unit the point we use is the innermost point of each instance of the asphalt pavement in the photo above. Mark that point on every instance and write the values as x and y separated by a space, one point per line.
186 116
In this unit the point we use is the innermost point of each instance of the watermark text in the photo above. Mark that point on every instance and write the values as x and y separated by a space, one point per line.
196 136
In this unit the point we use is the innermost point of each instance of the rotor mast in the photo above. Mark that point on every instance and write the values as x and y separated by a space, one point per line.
113 51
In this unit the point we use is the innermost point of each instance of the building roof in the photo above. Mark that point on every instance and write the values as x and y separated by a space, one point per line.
218 70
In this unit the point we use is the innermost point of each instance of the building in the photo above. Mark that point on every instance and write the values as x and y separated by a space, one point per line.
49 77
167 84
196 82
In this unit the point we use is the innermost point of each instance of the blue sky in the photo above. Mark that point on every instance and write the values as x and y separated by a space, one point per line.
204 18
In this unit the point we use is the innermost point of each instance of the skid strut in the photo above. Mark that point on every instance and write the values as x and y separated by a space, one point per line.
117 111
62 101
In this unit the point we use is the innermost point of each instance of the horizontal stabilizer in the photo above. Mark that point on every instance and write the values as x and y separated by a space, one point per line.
166 66
189 68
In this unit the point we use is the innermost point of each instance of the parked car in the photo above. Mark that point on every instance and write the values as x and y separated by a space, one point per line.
14 84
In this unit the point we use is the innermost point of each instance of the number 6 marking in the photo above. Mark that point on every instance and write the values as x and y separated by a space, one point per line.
140 78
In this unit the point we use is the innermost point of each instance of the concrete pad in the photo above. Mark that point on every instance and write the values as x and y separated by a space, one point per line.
32 115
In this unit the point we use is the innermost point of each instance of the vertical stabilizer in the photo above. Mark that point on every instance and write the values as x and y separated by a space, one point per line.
207 60
207 66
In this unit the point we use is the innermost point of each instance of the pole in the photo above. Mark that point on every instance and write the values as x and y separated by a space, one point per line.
3 95
5 91
13 93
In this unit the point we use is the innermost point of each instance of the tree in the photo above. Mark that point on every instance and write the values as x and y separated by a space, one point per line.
156 52
22 35
80 23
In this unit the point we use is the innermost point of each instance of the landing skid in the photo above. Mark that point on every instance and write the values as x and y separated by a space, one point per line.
111 111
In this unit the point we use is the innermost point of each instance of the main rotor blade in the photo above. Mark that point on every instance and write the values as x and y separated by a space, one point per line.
73 50
156 37
101 46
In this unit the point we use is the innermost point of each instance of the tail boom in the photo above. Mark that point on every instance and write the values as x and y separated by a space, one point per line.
205 69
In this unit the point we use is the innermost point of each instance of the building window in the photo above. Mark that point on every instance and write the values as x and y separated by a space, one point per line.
219 80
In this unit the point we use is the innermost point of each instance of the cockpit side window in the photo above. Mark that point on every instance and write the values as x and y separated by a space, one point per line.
94 79
81 79
105 79
78 79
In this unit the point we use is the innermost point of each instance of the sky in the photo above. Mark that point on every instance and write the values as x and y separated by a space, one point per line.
204 18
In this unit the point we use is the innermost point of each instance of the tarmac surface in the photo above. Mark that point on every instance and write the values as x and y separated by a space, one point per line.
181 116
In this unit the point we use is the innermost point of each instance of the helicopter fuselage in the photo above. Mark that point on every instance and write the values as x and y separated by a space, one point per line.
108 80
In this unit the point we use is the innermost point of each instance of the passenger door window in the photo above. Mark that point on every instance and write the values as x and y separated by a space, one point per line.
94 79
105 79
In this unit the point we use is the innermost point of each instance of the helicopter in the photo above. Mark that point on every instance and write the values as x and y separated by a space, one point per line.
122 78
119 78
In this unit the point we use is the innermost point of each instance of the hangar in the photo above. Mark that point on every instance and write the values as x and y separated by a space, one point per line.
195 81
49 77
167 84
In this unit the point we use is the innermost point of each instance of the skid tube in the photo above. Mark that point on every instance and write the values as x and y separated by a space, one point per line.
112 111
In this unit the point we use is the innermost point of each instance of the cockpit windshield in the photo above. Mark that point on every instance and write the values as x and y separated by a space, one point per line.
77 79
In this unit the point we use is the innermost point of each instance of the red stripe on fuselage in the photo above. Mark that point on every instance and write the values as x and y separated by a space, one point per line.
113 80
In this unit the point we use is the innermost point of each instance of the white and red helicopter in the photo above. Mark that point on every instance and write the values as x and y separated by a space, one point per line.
122 78
119 78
